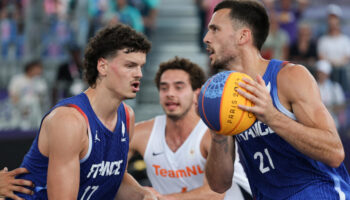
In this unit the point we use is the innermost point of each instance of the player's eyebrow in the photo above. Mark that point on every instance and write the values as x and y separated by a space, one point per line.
213 26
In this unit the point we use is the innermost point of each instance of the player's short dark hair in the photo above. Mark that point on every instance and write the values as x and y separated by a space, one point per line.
31 64
252 14
106 43
197 75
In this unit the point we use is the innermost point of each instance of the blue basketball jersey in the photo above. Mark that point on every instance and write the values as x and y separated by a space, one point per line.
103 167
276 170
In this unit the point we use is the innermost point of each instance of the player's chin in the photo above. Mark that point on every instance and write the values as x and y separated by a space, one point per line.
130 95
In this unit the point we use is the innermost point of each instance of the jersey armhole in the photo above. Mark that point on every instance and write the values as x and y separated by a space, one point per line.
79 110
86 156
127 116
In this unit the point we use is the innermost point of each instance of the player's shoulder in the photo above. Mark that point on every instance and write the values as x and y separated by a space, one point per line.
65 117
129 109
144 127
295 78
142 133
205 143
63 126
291 69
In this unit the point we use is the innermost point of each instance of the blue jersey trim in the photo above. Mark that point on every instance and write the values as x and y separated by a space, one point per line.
337 187
281 108
90 147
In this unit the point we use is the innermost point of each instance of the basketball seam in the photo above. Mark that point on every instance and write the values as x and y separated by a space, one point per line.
221 102
241 117
203 111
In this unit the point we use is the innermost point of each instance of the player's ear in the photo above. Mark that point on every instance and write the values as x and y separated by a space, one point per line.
196 94
102 65
245 36
195 100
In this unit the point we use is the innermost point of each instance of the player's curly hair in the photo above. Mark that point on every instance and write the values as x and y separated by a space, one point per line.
197 75
106 43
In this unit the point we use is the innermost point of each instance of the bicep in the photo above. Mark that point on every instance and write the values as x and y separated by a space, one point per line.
65 136
306 102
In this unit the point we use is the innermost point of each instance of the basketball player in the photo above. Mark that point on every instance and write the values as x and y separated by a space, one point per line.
293 150
175 145
8 183
82 146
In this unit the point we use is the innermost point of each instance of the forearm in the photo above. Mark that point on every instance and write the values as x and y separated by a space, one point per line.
130 189
203 192
219 167
319 144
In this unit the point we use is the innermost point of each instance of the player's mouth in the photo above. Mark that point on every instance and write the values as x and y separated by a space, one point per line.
210 51
171 105
135 86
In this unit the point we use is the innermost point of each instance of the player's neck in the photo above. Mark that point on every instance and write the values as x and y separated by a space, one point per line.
252 63
105 106
176 132
182 127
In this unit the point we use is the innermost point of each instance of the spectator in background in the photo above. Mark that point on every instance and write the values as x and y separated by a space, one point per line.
202 13
69 76
28 94
58 36
335 47
303 50
288 16
149 12
96 12
124 13
277 42
8 31
332 93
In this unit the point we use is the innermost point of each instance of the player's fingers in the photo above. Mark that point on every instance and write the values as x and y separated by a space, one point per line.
5 169
260 80
249 109
248 95
22 182
18 171
255 89
14 197
21 189
259 83
248 81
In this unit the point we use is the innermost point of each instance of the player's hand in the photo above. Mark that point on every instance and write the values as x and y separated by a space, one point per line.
151 194
259 94
9 185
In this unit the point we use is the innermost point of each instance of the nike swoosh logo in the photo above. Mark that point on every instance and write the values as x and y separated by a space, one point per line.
156 154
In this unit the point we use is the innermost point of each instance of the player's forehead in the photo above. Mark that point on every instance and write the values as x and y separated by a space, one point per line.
173 76
221 17
133 57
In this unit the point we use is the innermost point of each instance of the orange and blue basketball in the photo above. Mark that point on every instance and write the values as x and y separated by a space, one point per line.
218 104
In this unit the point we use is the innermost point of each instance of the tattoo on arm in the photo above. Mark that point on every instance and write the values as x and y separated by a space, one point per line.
222 142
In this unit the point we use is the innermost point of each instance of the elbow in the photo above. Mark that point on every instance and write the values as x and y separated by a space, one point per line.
220 187
337 158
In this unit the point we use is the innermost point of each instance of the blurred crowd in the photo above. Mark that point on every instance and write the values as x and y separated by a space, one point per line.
309 32
36 32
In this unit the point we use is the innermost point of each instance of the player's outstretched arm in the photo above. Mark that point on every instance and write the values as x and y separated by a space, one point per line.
314 132
8 183
131 189
141 135
203 192
219 167
65 131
